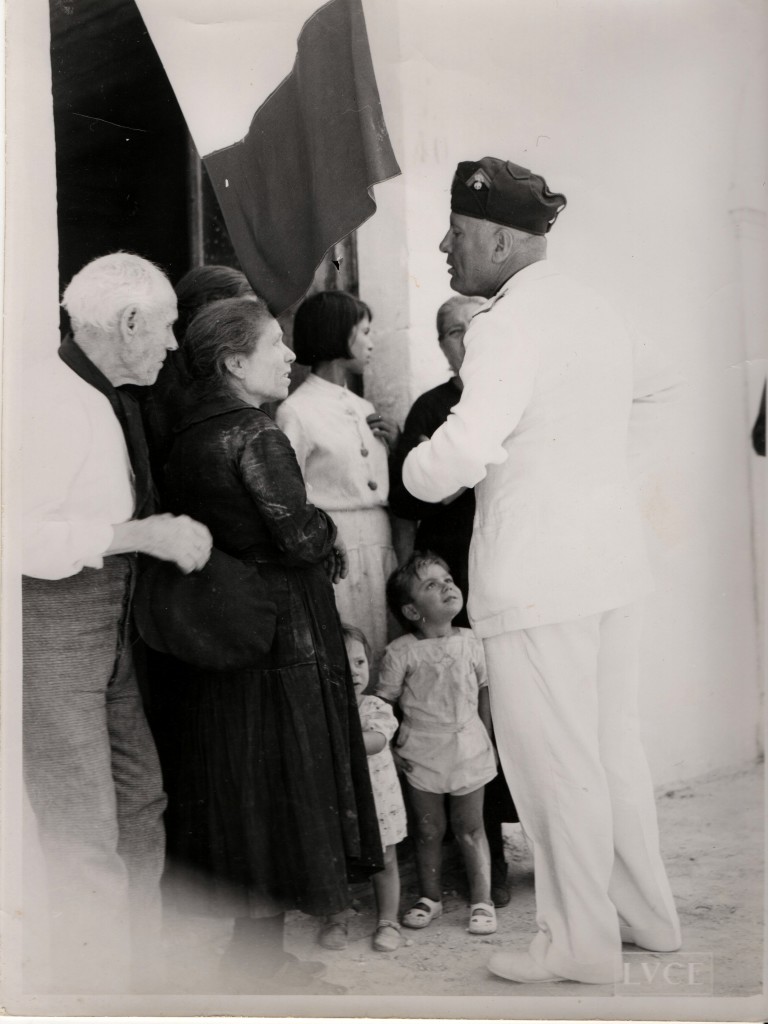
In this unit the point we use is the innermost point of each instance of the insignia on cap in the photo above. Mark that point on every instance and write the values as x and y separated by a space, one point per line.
478 179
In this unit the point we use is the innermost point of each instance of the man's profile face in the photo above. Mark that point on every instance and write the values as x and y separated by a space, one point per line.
152 338
468 244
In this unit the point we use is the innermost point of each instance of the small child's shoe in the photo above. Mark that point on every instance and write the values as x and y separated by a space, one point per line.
333 934
423 912
387 937
482 919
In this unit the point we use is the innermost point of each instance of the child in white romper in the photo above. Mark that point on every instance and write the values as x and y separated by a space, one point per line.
437 675
379 726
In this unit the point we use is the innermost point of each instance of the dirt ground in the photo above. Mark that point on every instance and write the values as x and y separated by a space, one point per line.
712 837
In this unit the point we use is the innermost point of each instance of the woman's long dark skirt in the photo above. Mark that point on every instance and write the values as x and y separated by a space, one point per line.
266 772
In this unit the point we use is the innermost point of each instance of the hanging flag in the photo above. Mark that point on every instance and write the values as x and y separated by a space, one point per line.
292 151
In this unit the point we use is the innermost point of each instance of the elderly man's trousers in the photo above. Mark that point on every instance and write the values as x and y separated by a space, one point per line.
564 706
93 779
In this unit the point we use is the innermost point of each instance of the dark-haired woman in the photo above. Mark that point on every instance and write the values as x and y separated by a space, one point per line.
342 446
270 804
164 401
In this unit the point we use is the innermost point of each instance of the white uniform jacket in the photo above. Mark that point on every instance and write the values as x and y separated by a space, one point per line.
541 433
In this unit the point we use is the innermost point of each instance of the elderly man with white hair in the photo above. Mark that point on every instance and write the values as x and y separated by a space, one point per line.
90 765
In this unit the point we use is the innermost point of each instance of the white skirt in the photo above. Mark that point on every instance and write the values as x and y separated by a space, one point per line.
361 597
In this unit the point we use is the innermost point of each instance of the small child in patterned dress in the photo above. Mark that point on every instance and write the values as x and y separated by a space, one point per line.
379 726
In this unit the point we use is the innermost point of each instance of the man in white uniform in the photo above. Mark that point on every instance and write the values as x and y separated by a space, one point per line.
557 565
90 766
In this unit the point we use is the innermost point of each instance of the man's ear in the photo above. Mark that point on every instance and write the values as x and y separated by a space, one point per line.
503 243
411 612
129 321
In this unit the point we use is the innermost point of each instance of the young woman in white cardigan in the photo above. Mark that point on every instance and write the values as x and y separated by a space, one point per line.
342 445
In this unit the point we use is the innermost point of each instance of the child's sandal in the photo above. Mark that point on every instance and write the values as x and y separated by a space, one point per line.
333 935
482 919
422 913
387 937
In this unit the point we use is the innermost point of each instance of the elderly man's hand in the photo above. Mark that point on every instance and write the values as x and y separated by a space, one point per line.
178 539
170 538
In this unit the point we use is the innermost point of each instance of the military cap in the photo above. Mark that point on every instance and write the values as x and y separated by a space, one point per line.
505 193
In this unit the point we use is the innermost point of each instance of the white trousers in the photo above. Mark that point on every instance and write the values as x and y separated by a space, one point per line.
564 706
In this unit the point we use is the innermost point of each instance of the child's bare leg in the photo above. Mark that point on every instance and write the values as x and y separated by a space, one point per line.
429 822
468 827
386 887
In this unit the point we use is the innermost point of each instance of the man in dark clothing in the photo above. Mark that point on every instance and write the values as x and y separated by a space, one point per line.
445 528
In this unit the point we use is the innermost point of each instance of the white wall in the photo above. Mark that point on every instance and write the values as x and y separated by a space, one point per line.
631 109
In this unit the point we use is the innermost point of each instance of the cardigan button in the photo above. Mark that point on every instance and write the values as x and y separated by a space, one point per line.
373 485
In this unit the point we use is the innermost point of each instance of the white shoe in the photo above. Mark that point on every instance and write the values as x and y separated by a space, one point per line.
482 920
520 967
423 912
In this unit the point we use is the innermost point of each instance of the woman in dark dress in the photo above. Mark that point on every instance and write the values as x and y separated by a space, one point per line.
270 805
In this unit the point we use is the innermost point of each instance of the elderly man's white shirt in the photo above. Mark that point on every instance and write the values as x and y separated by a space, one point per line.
541 433
78 480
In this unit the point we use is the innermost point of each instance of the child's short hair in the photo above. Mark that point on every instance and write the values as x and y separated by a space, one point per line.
353 633
400 582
